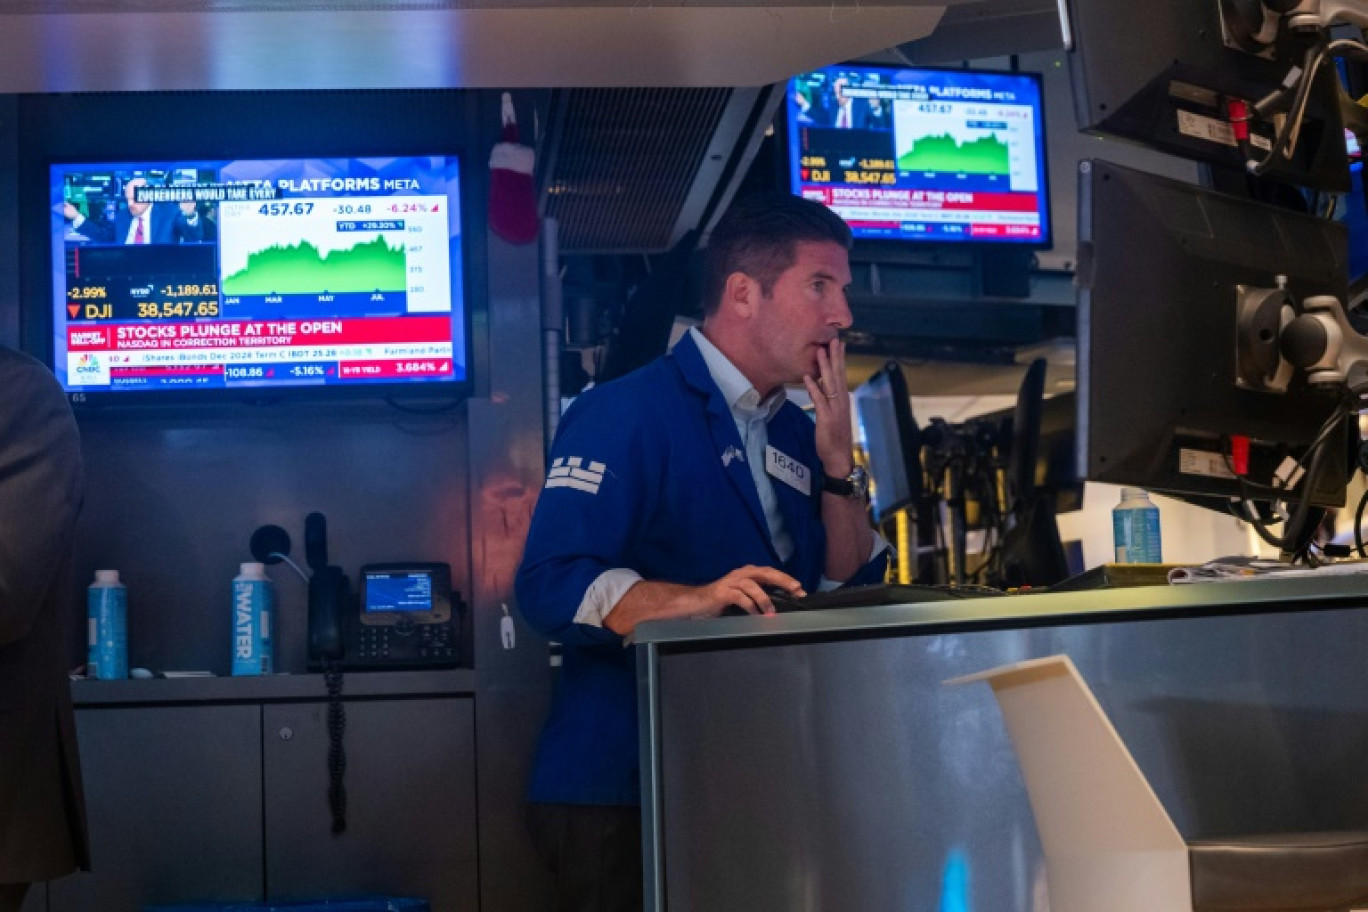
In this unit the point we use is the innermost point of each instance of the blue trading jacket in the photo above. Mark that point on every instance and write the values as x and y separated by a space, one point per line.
646 476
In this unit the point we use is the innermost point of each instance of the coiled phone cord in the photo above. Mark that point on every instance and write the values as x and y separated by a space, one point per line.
337 753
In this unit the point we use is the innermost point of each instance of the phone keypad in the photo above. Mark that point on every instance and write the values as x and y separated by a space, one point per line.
406 642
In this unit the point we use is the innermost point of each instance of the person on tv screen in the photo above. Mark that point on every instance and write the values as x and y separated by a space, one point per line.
688 487
874 114
139 222
802 104
201 216
844 116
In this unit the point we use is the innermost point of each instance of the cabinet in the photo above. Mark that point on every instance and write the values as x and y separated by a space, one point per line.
173 802
218 791
410 802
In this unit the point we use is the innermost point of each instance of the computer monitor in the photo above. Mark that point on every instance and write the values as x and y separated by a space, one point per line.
1161 268
1033 450
890 440
1179 75
1054 469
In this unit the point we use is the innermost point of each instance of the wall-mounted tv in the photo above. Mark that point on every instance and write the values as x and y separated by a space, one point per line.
322 274
926 155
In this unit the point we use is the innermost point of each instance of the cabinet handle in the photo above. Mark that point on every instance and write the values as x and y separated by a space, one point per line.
286 733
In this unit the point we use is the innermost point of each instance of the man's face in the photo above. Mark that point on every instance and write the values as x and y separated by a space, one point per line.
135 208
803 311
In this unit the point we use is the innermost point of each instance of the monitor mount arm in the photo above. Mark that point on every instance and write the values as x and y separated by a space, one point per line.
1320 14
1322 343
1275 337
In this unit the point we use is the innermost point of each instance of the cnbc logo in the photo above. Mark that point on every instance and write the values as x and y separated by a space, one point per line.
88 369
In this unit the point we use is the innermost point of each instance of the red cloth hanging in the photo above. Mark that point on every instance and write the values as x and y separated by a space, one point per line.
512 192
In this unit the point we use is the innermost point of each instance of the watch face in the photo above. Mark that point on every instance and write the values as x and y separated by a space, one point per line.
859 480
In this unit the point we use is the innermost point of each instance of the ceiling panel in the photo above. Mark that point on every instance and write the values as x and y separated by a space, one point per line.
191 45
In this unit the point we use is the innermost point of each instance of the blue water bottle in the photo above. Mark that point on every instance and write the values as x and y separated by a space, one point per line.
107 627
253 604
1135 528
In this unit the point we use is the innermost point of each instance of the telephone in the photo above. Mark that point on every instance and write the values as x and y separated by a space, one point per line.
404 615
407 616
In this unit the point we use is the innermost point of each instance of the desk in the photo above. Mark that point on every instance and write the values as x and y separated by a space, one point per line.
814 761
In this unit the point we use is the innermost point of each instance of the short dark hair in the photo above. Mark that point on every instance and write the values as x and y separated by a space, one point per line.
757 236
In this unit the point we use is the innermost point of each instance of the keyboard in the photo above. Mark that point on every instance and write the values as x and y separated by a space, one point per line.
880 594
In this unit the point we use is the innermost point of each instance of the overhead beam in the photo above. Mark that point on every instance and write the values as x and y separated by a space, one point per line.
279 47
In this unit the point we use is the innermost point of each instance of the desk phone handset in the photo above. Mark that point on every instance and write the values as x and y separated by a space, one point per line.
404 614
328 595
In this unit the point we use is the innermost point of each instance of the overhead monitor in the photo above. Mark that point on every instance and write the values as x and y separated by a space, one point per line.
183 280
1162 268
907 154
1182 75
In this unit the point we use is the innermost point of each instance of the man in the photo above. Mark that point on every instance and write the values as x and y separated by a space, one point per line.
874 115
845 104
683 489
42 811
139 222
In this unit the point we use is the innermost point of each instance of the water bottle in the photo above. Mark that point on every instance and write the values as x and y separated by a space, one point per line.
107 627
1135 527
253 604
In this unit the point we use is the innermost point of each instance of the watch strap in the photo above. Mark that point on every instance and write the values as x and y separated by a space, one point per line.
845 487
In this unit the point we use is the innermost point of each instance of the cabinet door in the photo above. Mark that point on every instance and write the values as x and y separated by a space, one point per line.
36 901
173 800
410 782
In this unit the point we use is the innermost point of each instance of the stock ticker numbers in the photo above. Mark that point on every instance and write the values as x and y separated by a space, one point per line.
168 310
859 171
879 172
155 301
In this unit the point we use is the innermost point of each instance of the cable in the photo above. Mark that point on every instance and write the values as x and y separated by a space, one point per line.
1285 143
1358 524
1295 525
337 752
446 406
286 558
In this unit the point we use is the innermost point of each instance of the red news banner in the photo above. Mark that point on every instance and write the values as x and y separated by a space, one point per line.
1019 212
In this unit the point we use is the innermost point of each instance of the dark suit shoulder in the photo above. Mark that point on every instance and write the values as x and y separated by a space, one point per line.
22 364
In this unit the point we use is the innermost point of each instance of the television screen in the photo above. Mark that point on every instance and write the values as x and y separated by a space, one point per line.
934 155
257 275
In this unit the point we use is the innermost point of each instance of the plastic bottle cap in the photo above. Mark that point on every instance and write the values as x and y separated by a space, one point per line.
253 568
1134 494
106 576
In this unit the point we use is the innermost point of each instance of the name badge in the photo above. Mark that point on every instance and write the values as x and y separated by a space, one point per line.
788 470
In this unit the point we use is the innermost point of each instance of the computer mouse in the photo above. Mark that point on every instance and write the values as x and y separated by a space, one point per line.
783 599
141 674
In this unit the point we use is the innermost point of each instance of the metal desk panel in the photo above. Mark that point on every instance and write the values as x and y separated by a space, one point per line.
811 762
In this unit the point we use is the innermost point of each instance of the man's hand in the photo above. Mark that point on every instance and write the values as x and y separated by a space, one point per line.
850 540
831 401
744 587
70 212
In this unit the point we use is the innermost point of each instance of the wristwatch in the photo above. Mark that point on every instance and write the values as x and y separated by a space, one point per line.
854 485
